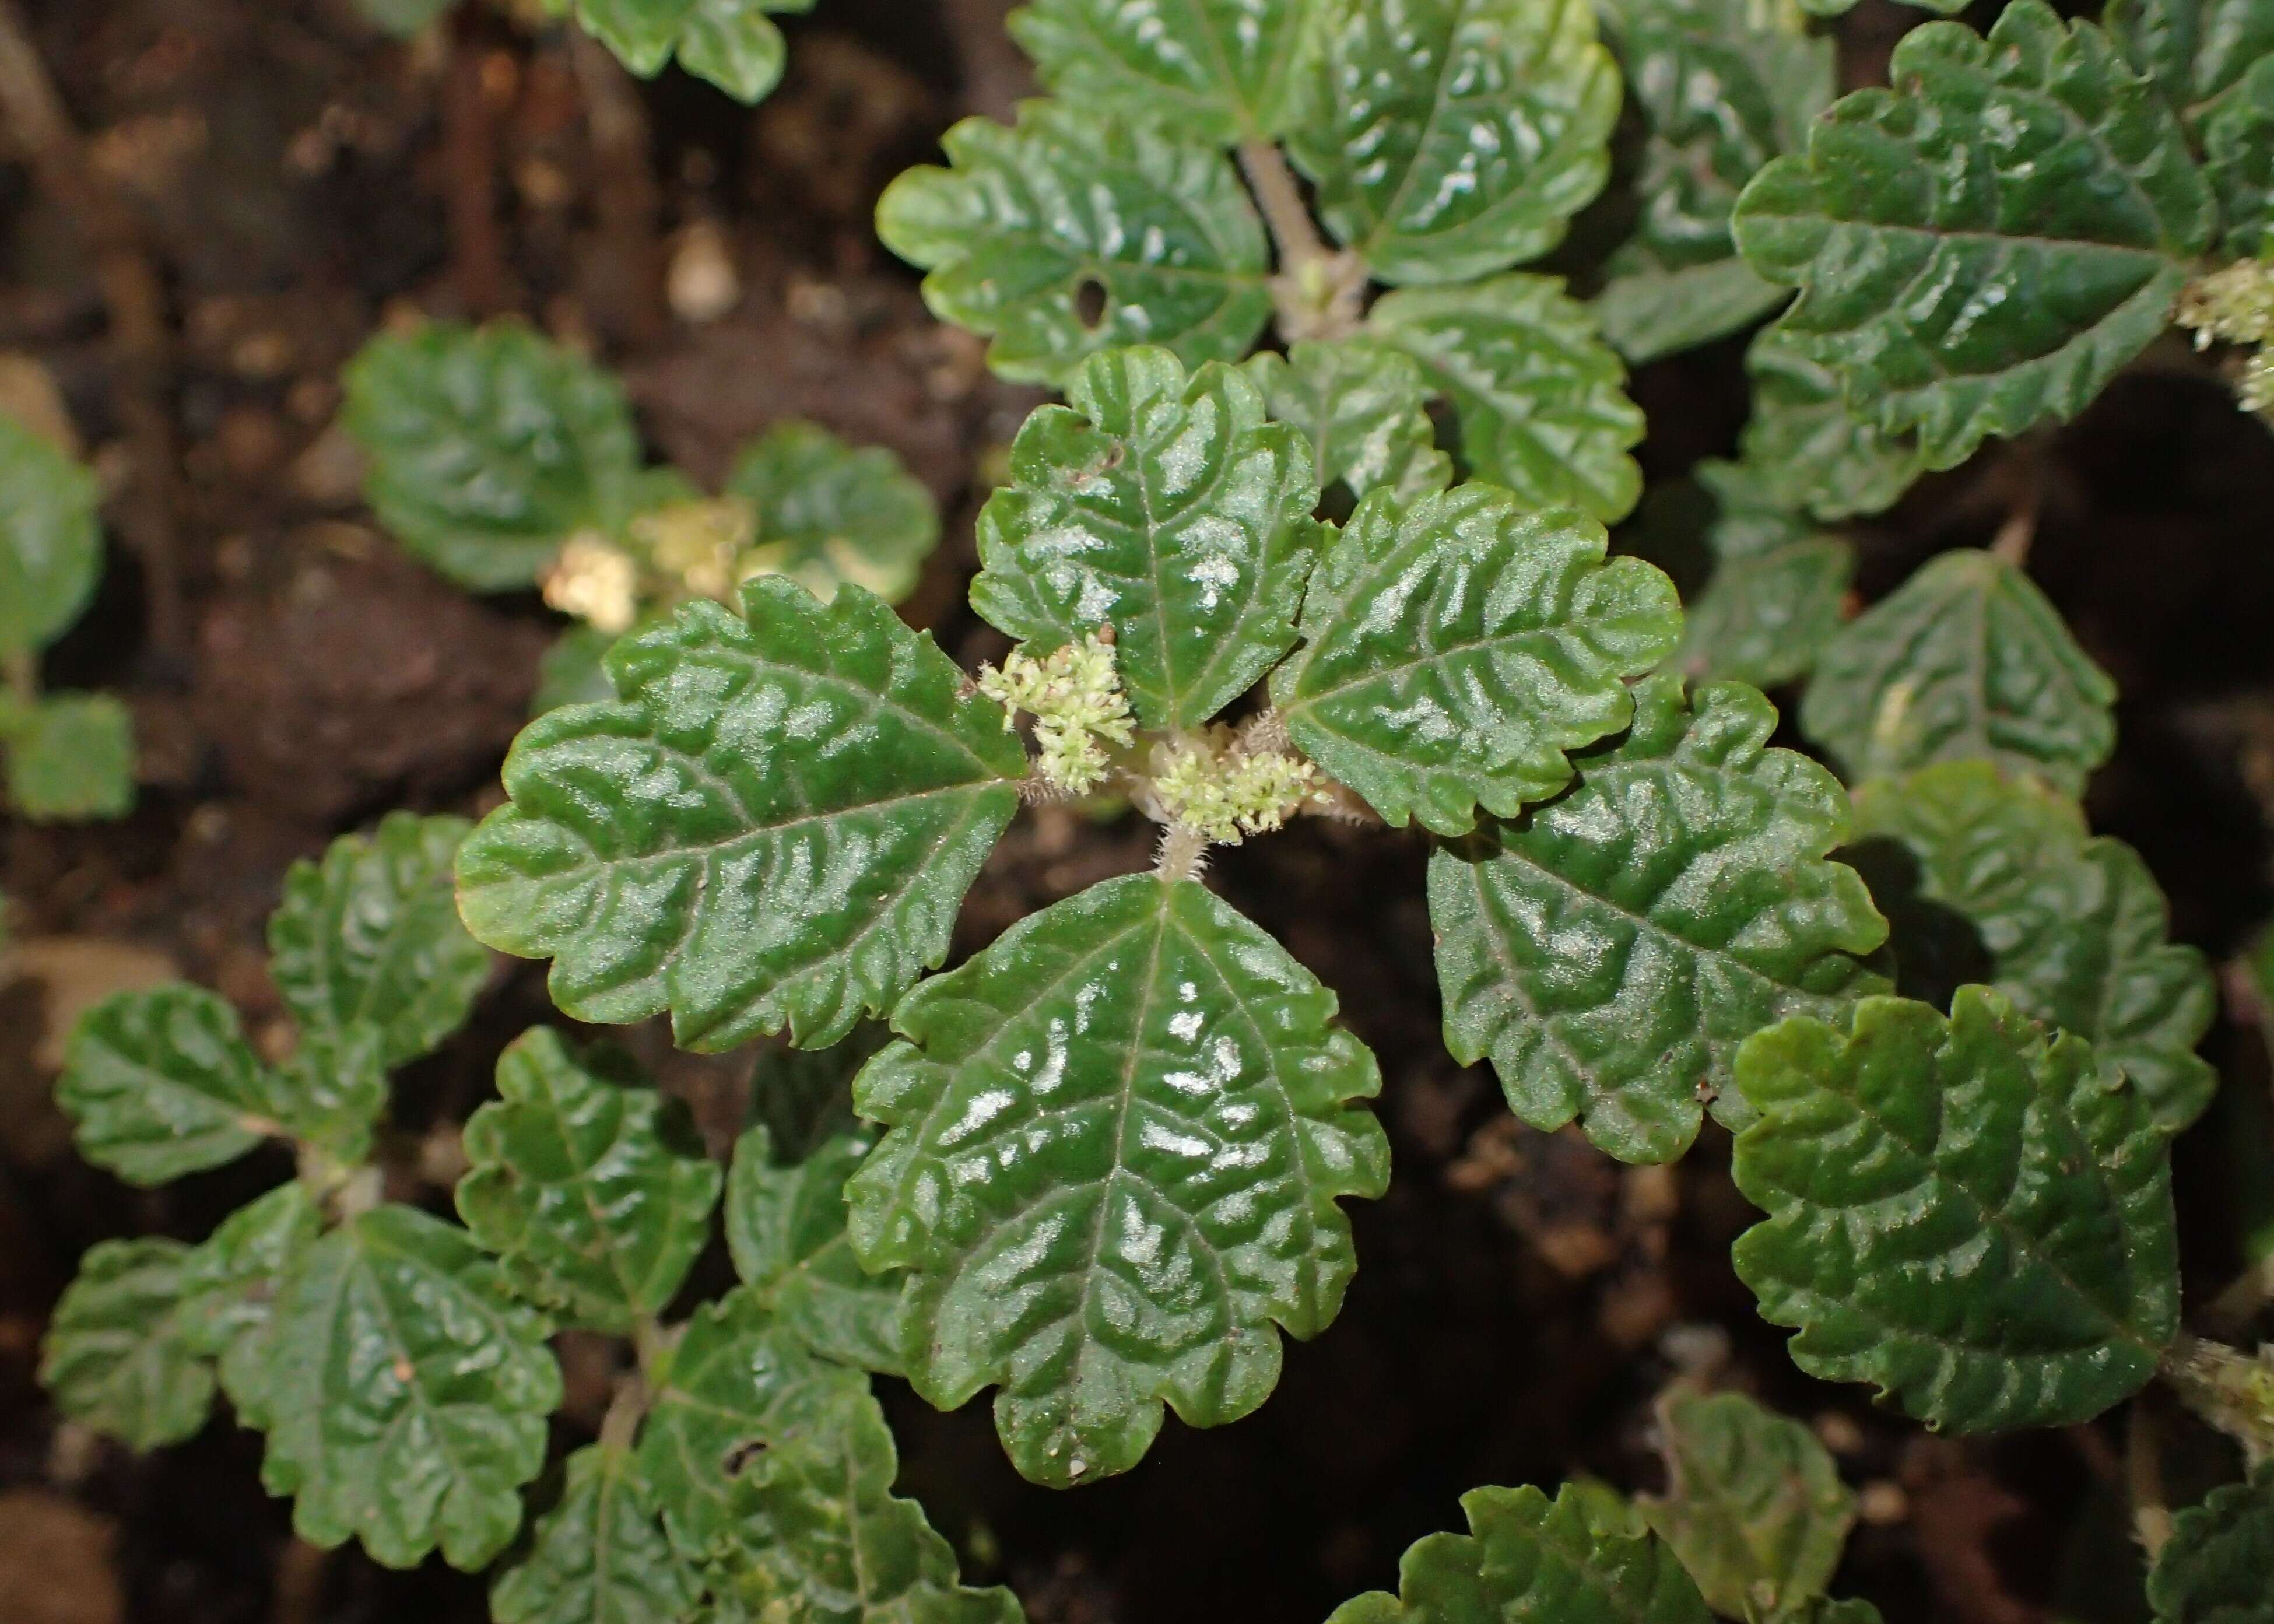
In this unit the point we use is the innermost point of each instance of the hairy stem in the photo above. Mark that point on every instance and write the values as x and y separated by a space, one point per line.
1320 291
2227 1389
2143 1480
626 1407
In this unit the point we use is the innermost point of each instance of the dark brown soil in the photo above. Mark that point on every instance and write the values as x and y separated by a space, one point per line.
1519 1298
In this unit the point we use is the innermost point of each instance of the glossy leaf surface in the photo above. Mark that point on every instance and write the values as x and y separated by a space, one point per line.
1117 1139
408 1391
773 827
828 512
1980 248
786 1228
162 1083
599 1555
1974 1218
71 757
1166 507
2237 140
2194 51
229 1284
732 43
1452 139
1363 408
115 1357
1455 648
1528 1557
2214 1570
1609 949
50 539
590 1186
1540 398
1067 206
2073 928
1966 659
1227 71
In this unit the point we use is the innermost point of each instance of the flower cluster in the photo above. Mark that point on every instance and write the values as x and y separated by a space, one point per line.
1074 694
1226 790
2234 304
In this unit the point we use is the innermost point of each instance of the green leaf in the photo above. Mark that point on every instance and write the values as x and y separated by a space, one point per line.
408 1391
590 1186
2239 157
1528 1557
489 446
50 539
736 1390
2216 1567
1118 1137
1723 85
1452 139
1223 71
1957 287
1165 507
115 1358
1033 219
773 826
1973 1217
573 671
1991 879
1810 451
803 1098
162 1083
1754 1506
331 1090
1364 407
828 513
1455 648
229 1291
786 1227
828 1538
71 756
599 1555
1965 659
1610 950
2194 51
734 45
371 936
1540 398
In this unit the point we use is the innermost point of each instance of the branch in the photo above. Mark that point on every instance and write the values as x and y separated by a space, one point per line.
1320 291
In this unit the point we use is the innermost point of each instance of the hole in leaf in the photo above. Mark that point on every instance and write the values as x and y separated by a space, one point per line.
739 1458
1089 303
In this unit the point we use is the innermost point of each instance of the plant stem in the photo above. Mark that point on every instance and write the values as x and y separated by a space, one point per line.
2228 1388
1320 291
21 674
620 1425
2144 1479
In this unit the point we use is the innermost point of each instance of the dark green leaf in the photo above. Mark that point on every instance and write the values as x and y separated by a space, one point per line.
71 756
1030 220
828 513
1610 950
599 1555
1965 660
1542 399
1224 70
1995 880
50 540
162 1083
1364 407
229 1285
1119 1138
1811 453
371 936
1974 1218
115 1357
2194 51
2239 148
1454 650
409 1393
1165 507
774 825
2218 1568
590 1186
1452 139
1981 248
803 1098
786 1227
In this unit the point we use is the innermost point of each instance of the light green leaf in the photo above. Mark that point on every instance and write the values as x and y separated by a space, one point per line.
1452 139
737 1389
1723 85
1965 659
1364 407
1991 879
572 671
1165 507
2239 157
590 1186
734 45
229 1291
1540 398
1528 1557
1223 71
1754 1506
489 446
71 756
50 539
1454 650
2217 1567
1118 1137
162 1083
1610 950
331 1090
1811 452
599 1555
409 1393
1955 287
829 513
773 826
115 1357
371 936
2194 51
828 1540
786 1227
1030 222
1973 1217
